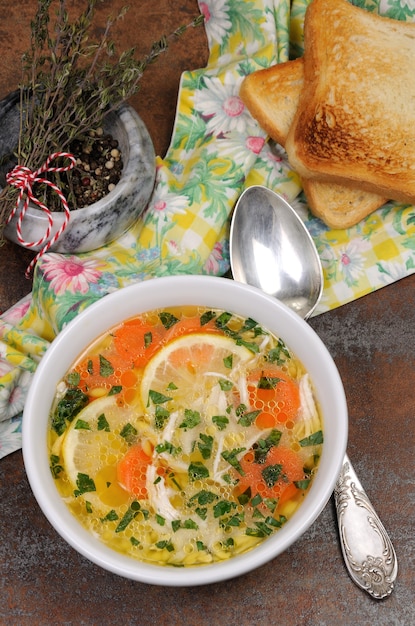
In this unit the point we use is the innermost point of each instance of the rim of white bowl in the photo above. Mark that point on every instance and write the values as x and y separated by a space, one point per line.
168 291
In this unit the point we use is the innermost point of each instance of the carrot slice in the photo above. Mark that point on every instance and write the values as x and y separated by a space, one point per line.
274 478
132 469
98 371
274 392
136 341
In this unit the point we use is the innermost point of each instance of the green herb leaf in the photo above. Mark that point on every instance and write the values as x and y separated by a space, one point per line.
55 466
225 385
82 425
207 317
263 446
165 545
115 389
223 508
128 432
280 354
103 423
223 319
158 398
271 474
233 522
148 339
176 524
161 417
256 500
230 457
191 419
249 345
84 484
105 367
269 382
247 419
168 320
190 524
73 378
249 324
302 484
228 361
221 421
197 471
205 446
204 497
245 497
201 512
128 516
160 520
111 516
313 440
264 528
168 447
67 408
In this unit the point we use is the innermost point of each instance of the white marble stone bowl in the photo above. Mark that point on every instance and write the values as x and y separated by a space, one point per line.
175 291
93 226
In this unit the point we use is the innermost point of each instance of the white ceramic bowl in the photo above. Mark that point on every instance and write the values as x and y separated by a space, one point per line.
160 292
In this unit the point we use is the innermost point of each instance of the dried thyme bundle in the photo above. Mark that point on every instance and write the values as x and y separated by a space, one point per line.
70 83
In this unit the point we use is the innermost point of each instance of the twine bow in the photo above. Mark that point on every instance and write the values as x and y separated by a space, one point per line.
23 179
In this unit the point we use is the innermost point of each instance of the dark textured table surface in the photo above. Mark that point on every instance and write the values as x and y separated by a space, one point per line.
372 340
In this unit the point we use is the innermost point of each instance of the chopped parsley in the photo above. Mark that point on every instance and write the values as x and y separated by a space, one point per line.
82 425
231 457
207 317
313 440
263 446
271 474
157 397
247 419
102 423
84 484
129 515
55 466
168 319
269 382
115 389
197 471
221 421
105 367
128 432
205 445
68 408
191 419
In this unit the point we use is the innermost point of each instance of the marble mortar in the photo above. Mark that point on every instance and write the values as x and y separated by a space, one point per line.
93 226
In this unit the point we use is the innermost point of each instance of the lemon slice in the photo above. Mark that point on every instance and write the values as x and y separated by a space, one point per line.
189 366
92 446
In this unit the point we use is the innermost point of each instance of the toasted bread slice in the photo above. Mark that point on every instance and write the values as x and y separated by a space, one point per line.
272 95
355 119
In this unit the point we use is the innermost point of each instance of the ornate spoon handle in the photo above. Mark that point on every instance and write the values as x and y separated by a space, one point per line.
367 549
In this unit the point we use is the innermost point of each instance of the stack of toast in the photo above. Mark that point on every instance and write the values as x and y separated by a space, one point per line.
345 111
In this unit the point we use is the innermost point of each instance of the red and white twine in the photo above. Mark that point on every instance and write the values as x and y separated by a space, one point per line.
23 179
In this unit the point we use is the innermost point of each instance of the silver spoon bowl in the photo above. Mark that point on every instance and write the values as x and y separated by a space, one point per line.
270 248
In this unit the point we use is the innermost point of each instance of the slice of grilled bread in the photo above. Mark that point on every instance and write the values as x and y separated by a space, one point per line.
271 96
355 119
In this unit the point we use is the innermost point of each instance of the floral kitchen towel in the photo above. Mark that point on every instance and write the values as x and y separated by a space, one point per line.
216 151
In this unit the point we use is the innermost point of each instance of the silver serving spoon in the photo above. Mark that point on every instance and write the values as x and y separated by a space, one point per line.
270 248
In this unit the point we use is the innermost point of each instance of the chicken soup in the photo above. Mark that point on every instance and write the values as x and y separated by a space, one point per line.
185 436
